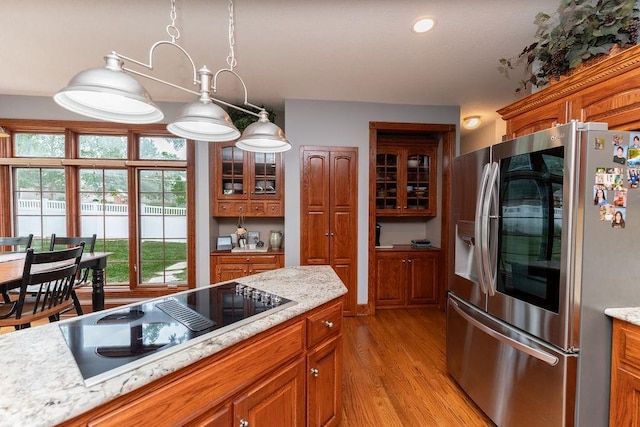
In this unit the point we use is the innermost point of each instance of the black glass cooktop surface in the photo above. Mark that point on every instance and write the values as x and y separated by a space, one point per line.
107 343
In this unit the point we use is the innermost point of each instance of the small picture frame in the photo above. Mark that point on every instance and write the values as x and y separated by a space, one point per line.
253 237
224 243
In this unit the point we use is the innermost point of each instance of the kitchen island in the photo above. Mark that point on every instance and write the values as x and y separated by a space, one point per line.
230 378
625 366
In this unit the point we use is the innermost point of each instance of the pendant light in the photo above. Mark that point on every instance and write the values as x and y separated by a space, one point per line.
110 93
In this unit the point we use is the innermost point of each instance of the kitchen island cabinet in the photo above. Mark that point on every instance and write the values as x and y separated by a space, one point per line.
253 373
625 368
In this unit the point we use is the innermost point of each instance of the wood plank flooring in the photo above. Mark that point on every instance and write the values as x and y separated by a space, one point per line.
395 373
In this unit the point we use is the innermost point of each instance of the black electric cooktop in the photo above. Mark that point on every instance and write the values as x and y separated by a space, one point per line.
106 344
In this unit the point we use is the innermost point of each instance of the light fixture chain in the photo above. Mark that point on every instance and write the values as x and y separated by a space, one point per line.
172 30
231 59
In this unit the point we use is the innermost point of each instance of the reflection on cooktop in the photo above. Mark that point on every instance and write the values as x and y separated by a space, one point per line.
105 344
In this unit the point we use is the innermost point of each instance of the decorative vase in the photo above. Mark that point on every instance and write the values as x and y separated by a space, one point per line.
275 239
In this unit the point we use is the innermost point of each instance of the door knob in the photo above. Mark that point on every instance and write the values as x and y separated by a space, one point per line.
314 372
244 423
329 324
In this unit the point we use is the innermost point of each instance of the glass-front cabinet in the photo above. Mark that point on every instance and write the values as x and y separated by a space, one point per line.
246 183
406 181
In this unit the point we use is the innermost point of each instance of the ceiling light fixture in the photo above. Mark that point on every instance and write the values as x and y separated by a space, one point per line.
422 25
471 122
110 93
3 133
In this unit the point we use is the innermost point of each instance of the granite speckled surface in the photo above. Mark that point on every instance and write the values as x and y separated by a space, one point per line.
41 384
628 314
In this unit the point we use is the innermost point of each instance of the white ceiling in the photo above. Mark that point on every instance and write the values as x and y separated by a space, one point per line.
344 50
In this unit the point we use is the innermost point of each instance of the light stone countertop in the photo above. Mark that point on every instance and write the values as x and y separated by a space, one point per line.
628 314
41 384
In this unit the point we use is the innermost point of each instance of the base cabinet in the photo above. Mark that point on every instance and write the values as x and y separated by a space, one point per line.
625 375
406 278
279 401
288 376
225 266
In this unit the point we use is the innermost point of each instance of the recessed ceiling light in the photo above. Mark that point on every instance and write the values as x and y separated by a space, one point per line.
471 122
422 25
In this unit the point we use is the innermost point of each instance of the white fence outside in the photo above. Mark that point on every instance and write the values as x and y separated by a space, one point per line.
107 220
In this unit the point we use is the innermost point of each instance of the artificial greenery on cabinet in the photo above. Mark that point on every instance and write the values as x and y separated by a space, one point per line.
578 32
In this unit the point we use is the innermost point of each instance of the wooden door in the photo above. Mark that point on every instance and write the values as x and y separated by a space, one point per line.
324 384
423 279
329 214
278 402
391 279
315 208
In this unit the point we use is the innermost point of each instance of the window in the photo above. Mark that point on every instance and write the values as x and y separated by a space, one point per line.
129 187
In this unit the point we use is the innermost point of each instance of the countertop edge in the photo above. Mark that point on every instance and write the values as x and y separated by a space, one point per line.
628 314
58 393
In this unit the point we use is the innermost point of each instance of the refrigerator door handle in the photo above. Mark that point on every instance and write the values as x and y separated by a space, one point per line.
489 200
533 352
480 203
491 247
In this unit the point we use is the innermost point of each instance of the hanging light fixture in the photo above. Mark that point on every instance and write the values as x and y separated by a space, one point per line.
3 133
110 93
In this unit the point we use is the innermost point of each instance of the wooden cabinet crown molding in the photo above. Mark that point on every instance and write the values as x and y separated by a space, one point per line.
615 65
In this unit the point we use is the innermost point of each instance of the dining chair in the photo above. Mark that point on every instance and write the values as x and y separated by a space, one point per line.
45 290
15 243
83 276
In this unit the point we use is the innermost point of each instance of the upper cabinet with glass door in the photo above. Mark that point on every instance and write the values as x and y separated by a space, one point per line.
406 180
245 183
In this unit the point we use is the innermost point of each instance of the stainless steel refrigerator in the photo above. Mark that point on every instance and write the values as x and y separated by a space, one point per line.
547 231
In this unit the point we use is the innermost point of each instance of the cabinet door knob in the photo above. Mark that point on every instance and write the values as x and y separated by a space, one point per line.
314 372
328 323
410 261
244 423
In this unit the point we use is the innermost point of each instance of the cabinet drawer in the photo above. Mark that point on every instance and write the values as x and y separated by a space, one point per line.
274 209
251 259
231 208
324 324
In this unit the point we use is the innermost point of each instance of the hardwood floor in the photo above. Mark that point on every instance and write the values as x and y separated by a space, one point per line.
395 373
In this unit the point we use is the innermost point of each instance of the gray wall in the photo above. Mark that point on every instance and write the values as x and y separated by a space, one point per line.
331 123
306 122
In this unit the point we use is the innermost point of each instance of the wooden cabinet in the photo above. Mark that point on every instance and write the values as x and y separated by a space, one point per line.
324 367
406 179
246 183
625 375
279 401
228 266
329 213
406 278
273 379
606 92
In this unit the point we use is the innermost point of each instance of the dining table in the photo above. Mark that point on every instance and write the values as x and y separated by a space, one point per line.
12 267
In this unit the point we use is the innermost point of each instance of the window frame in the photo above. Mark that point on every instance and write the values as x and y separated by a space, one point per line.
72 163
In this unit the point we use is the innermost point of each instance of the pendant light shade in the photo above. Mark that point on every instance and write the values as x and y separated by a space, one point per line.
263 136
109 94
204 121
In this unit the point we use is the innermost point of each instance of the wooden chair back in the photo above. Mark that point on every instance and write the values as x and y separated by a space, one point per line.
15 244
45 291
